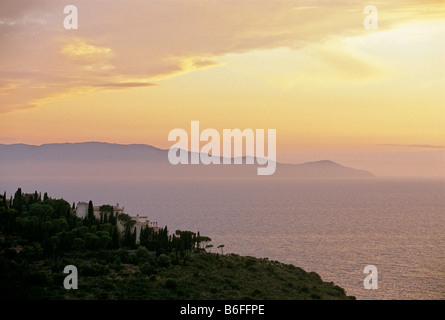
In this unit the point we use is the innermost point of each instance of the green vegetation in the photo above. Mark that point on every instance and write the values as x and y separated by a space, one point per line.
38 238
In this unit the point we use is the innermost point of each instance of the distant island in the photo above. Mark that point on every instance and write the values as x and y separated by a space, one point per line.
40 236
140 160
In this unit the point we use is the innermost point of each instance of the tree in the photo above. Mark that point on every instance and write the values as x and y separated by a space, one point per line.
163 260
105 217
142 255
204 240
47 229
115 238
78 243
62 224
54 241
129 237
221 246
186 240
4 204
90 216
36 197
41 210
18 202
112 219
104 239
198 241
91 241
147 269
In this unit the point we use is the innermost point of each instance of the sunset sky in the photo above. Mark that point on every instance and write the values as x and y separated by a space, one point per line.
134 70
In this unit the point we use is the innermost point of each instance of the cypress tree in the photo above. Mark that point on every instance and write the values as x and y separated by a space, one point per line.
115 238
90 211
5 204
127 236
111 219
198 241
18 201
133 239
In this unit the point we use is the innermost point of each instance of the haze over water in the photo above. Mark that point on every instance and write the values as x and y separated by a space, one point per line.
333 227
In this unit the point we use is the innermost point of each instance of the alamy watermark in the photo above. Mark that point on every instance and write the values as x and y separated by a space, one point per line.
71 20
371 20
370 281
210 152
70 281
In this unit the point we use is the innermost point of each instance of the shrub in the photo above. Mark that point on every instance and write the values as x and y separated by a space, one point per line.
116 265
124 273
252 269
256 292
250 262
164 260
147 269
93 269
171 284
142 255
124 255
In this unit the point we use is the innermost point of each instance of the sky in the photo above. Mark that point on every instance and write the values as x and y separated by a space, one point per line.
135 70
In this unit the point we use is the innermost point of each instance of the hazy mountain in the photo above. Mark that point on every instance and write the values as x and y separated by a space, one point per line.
84 151
323 168
94 159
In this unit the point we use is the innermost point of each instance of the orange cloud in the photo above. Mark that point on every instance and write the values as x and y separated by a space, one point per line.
123 44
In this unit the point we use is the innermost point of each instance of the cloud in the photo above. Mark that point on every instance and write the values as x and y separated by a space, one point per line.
77 47
123 44
12 108
422 146
124 85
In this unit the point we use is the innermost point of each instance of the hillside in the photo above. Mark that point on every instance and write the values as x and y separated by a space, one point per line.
39 238
121 276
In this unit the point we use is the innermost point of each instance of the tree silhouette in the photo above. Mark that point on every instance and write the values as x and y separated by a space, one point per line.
205 240
18 202
90 211
4 201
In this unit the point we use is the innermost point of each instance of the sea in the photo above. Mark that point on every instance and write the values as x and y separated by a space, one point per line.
334 227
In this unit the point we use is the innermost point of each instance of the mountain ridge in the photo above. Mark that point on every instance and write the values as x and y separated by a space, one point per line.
105 154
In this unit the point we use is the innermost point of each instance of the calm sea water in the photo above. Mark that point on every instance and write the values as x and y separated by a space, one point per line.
332 227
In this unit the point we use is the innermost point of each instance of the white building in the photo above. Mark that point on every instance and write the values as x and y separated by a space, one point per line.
141 221
82 210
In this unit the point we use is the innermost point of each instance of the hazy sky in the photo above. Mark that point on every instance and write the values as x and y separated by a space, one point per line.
134 70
